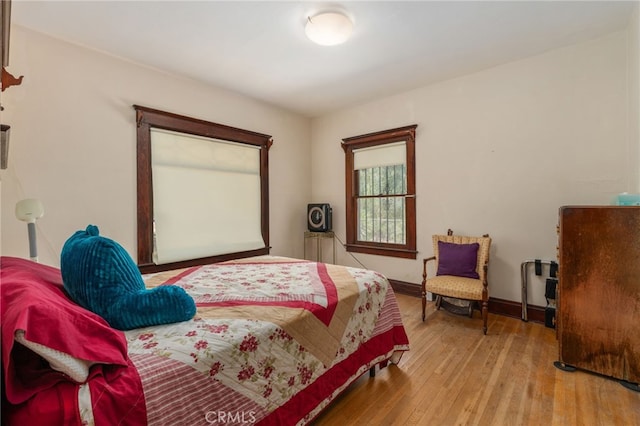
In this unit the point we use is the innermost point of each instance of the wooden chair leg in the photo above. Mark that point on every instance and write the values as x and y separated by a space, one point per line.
485 315
424 304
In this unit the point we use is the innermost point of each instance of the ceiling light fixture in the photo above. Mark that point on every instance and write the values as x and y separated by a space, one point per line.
328 28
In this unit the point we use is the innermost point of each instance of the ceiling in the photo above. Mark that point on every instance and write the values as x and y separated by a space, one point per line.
260 49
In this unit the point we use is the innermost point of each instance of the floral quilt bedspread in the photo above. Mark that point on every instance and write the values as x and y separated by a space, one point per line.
274 340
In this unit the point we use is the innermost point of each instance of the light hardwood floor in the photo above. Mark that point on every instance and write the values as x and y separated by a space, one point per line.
454 375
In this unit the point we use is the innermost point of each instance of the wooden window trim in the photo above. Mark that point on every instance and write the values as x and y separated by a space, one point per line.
408 250
146 118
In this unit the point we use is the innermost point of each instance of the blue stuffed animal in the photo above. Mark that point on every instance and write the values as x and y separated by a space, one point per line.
99 275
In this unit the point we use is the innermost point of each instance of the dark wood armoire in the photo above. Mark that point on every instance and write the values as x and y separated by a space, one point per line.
598 317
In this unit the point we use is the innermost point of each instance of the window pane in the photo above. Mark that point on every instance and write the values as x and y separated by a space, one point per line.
382 219
388 180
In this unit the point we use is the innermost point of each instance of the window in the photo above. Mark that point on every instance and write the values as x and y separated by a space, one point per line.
202 191
380 193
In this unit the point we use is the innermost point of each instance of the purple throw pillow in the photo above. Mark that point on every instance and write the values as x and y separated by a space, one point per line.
458 259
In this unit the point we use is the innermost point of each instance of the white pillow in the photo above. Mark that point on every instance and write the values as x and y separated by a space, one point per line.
77 369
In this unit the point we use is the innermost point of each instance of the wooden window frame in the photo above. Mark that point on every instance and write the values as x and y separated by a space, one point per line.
407 250
147 118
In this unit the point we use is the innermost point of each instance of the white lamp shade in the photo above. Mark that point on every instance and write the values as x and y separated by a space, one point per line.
328 29
30 209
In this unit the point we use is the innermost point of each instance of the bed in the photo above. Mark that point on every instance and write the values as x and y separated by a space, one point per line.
273 342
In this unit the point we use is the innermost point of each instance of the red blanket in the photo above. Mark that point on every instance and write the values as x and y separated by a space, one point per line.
33 300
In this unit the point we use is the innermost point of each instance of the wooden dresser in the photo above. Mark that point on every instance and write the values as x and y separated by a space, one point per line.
598 318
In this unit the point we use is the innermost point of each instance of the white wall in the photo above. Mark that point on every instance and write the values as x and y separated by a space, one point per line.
498 152
634 90
73 143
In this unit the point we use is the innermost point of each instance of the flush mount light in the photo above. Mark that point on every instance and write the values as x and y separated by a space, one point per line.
328 28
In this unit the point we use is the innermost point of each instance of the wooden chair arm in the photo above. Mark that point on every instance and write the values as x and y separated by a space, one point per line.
424 268
485 284
485 267
424 279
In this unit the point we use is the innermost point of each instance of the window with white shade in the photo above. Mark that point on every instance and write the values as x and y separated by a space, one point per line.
202 191
224 188
380 192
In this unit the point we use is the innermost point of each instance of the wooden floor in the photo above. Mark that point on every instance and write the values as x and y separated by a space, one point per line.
454 375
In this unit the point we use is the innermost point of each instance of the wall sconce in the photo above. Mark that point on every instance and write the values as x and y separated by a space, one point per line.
4 145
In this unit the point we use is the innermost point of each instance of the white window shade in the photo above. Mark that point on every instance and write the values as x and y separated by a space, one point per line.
380 155
206 196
